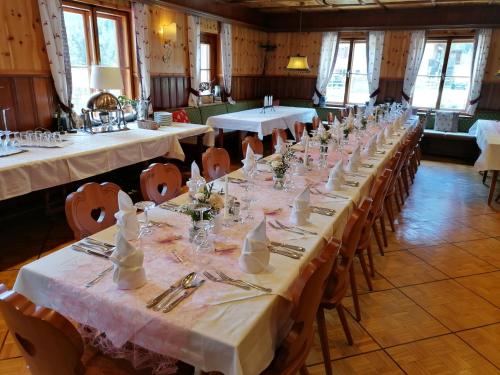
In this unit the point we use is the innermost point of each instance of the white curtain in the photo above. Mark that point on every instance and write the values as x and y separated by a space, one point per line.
226 46
481 49
329 49
56 44
374 50
194 58
140 13
415 55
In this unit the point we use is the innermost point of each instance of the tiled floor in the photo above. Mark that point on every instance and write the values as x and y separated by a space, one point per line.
435 308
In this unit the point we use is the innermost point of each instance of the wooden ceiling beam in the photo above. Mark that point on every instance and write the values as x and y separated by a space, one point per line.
467 16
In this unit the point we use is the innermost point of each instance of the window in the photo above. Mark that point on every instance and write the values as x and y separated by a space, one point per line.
443 79
208 65
349 84
96 37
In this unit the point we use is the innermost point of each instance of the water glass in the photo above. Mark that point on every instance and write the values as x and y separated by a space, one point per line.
145 206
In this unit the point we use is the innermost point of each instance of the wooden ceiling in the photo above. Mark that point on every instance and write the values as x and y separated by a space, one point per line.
285 6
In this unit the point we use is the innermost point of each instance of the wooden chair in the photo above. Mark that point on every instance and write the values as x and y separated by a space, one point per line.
216 163
278 133
377 194
276 103
339 278
299 128
330 118
92 208
315 122
254 142
391 190
160 182
292 353
50 344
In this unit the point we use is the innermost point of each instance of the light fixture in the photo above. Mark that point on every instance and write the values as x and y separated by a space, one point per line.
498 73
169 36
298 63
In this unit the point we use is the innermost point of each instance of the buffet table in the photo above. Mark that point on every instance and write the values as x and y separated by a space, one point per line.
220 327
488 139
260 122
83 155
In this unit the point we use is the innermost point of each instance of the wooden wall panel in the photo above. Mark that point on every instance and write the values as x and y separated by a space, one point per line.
209 26
490 96
169 91
22 48
178 63
7 100
251 87
493 64
395 54
248 56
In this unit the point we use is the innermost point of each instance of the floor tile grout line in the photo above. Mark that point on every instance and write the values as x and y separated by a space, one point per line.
476 294
474 255
477 351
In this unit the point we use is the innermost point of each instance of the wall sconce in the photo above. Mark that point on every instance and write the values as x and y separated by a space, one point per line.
169 36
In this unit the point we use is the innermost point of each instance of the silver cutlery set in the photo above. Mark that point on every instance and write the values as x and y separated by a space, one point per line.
242 284
328 195
94 247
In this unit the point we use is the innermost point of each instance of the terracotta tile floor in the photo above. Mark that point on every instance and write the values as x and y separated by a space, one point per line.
435 308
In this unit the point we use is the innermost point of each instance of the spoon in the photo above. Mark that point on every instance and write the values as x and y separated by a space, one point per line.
187 282
156 300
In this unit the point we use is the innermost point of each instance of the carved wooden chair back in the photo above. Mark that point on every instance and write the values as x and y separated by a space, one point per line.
290 357
315 122
278 133
299 128
49 343
92 208
330 118
160 182
216 163
254 142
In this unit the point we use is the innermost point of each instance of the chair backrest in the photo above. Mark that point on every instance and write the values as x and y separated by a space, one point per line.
330 118
299 128
160 182
276 103
92 208
338 278
278 133
49 343
315 122
292 353
216 163
254 142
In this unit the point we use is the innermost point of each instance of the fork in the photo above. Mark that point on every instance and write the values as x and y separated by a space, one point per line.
295 228
223 276
288 230
211 277
316 191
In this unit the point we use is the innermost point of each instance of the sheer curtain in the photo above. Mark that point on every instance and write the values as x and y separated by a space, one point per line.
226 44
329 49
140 13
481 49
374 50
56 44
415 55
194 58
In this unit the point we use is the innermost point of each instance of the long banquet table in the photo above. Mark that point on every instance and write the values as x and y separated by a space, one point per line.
260 122
84 155
488 139
219 328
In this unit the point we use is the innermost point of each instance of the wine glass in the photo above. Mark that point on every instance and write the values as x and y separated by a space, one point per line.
145 206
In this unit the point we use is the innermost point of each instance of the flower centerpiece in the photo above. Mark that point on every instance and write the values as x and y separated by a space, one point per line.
205 197
279 164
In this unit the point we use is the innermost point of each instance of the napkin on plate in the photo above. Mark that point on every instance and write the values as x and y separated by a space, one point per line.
336 122
321 128
335 177
255 254
381 139
280 145
300 210
128 272
249 162
388 131
196 181
371 146
195 171
354 160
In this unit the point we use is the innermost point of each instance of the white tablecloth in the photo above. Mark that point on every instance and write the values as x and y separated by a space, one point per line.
488 139
255 120
230 335
85 155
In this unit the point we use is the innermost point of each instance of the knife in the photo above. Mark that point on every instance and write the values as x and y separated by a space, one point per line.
154 301
293 247
287 253
182 297
89 251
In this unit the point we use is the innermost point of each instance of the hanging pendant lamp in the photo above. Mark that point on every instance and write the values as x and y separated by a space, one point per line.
298 63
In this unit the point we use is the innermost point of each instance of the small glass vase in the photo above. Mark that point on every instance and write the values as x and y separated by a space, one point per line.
323 155
278 182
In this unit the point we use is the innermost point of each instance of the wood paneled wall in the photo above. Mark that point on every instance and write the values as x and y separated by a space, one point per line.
248 55
290 87
169 91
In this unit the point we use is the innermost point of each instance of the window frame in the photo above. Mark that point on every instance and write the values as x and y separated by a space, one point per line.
352 42
442 78
122 18
211 39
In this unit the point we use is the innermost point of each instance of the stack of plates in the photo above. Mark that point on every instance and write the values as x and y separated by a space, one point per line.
163 118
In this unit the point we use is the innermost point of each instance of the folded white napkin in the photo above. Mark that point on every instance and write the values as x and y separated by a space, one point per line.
371 146
335 177
354 160
255 254
249 162
321 128
280 145
380 139
128 272
300 210
195 171
336 122
388 131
